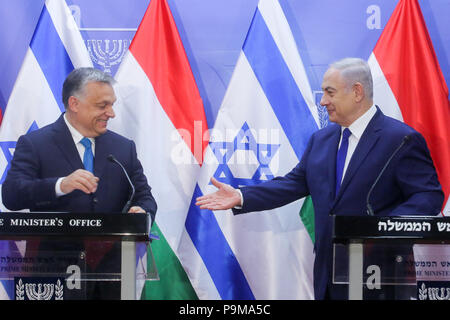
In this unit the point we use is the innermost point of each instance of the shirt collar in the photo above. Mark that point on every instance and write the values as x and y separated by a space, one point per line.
76 135
359 125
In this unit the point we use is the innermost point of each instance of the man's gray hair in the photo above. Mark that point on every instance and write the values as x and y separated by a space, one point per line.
355 70
78 78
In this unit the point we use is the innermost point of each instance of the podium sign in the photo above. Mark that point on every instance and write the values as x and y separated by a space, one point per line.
75 255
395 258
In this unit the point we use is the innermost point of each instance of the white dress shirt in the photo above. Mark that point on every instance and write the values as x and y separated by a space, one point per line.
357 129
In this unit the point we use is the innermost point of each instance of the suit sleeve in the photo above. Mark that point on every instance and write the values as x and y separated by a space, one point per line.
22 188
278 191
418 181
143 196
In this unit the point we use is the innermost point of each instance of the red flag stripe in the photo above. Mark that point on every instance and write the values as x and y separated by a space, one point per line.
406 56
158 49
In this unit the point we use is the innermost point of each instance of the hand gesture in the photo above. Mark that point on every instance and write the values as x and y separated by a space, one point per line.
79 180
225 198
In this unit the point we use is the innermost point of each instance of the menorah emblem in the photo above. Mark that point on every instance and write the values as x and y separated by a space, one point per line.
107 56
39 291
43 292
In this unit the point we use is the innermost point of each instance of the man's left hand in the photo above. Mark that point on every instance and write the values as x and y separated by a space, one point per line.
136 209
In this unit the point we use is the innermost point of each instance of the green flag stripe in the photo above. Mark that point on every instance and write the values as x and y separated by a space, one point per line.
307 216
174 283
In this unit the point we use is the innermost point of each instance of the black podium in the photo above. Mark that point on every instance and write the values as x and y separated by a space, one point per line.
74 255
402 258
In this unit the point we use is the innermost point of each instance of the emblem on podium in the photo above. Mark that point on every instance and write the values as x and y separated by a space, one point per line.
39 289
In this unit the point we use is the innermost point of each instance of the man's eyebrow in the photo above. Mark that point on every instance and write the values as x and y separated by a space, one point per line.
328 89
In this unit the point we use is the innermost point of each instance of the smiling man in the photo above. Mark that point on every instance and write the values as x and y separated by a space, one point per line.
340 165
347 92
64 166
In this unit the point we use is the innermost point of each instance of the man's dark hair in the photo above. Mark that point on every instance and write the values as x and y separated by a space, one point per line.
78 78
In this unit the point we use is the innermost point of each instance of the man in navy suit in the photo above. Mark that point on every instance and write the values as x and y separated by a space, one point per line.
64 166
339 166
47 171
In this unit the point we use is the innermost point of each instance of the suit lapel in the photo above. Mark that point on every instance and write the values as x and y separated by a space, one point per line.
368 140
63 139
332 147
101 153
65 143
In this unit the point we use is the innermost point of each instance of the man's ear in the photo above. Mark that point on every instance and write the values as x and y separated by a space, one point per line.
358 91
72 104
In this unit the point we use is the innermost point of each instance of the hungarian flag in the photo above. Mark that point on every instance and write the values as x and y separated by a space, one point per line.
409 84
160 108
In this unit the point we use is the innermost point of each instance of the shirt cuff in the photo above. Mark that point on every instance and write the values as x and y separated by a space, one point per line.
242 199
58 191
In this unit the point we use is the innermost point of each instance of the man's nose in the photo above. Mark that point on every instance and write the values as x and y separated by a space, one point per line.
110 112
323 100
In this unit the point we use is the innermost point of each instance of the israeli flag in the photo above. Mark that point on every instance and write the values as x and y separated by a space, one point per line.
55 50
264 123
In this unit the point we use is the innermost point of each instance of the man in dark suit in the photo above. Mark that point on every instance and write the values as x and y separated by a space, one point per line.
64 166
339 166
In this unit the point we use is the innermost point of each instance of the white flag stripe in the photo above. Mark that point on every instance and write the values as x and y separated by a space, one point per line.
69 34
28 101
382 93
273 15
196 270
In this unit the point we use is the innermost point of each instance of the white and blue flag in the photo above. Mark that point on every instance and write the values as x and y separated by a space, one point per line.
261 131
55 50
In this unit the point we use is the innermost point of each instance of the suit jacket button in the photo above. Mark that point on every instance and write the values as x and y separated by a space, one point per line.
95 200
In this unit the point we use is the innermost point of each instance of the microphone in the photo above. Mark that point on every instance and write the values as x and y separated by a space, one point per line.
368 205
125 209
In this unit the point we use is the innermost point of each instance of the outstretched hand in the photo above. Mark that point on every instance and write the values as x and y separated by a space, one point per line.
225 198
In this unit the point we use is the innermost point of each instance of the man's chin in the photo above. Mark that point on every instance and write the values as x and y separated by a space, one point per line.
100 131
101 128
331 117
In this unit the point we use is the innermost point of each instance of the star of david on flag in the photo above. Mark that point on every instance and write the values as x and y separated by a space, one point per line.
8 148
243 150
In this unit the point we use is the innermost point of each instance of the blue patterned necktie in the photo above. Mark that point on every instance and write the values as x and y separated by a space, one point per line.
88 159
340 159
